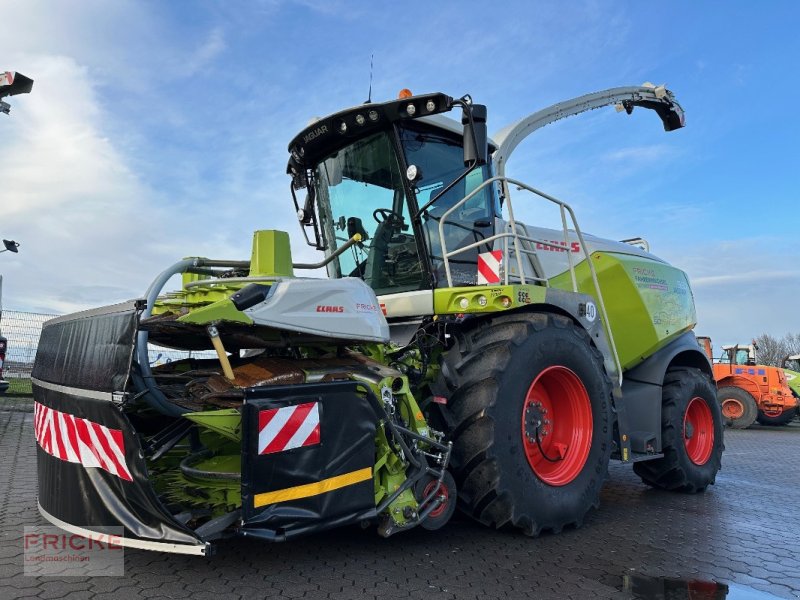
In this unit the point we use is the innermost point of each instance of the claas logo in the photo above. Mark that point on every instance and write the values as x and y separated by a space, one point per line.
329 309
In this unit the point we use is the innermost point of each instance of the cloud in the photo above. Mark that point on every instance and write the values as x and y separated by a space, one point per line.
97 199
751 278
642 154
68 195
742 287
209 49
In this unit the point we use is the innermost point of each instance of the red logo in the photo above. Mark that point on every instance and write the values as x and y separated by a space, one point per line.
329 309
559 246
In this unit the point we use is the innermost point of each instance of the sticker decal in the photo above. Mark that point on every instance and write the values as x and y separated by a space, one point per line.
489 264
76 440
281 429
591 312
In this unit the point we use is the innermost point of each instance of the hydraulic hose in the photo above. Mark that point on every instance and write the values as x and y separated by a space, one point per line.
156 398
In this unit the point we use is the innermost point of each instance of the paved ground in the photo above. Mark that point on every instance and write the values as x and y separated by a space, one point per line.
744 533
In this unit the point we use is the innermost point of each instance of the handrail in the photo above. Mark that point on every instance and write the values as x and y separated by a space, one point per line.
515 238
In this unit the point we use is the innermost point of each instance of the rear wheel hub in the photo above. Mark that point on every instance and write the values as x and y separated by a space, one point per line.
732 408
557 426
698 431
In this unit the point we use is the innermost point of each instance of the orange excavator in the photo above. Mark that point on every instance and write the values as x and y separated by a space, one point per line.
749 392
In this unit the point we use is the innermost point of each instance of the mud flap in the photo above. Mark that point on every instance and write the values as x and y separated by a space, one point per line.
308 453
91 468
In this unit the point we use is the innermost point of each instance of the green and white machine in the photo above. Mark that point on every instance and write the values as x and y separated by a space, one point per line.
454 356
793 373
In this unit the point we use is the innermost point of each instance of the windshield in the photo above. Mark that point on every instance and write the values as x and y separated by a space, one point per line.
741 357
439 157
360 189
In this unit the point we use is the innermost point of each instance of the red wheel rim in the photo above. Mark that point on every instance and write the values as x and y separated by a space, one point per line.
732 408
698 431
439 510
558 401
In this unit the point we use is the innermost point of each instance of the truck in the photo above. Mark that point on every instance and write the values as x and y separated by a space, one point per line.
454 357
747 391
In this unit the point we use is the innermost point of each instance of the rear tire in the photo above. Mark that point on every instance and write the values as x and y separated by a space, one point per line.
784 418
691 434
505 375
739 408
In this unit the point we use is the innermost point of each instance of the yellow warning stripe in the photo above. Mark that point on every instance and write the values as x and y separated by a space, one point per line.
313 489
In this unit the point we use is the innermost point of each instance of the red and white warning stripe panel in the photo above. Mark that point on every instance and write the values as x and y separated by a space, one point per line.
489 264
76 440
281 429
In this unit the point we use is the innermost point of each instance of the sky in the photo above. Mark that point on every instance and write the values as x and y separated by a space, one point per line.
158 130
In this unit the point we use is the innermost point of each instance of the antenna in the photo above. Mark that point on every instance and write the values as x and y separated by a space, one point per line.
369 97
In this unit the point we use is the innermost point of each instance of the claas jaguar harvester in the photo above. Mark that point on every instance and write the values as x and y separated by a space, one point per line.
454 357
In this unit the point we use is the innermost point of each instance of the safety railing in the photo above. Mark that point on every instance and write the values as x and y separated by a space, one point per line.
517 240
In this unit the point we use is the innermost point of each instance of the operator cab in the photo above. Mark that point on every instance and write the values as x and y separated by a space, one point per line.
739 355
388 173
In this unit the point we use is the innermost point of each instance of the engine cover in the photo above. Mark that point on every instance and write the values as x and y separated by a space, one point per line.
338 308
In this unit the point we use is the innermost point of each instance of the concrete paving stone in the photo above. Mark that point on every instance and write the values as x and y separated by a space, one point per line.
297 591
781 591
14 591
50 590
713 536
171 590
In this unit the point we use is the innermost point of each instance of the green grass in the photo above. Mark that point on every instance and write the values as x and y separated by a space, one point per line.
19 387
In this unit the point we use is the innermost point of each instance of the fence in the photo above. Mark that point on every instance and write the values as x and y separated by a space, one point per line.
23 330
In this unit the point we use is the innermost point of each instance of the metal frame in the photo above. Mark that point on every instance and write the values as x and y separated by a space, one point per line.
73 391
650 96
517 240
201 549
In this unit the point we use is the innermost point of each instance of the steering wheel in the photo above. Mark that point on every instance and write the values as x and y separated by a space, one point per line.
386 214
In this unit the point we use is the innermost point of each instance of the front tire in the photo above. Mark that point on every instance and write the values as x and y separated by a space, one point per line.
739 408
691 434
530 418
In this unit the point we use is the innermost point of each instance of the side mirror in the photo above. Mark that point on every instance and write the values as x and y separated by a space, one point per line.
476 147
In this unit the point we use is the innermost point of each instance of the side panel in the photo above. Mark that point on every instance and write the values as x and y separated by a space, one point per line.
297 480
642 388
649 303
89 350
91 469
